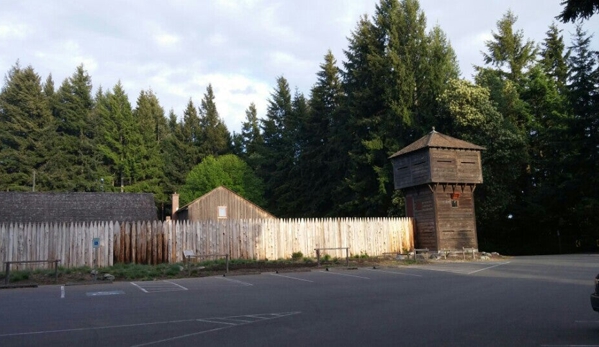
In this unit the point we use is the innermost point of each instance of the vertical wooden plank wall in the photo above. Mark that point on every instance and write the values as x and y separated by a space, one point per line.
163 242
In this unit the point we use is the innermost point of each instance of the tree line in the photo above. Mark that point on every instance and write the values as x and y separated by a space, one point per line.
534 106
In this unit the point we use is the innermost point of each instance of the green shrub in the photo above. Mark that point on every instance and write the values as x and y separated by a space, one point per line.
297 255
17 276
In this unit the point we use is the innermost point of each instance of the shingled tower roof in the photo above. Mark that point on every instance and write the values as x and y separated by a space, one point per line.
437 140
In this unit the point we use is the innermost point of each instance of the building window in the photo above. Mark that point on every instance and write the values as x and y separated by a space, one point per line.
222 212
455 196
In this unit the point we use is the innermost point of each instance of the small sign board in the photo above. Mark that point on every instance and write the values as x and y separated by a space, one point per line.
96 242
188 253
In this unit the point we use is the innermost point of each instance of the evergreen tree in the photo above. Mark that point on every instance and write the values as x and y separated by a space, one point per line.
578 9
215 138
323 159
251 138
26 132
584 139
191 136
174 149
391 95
292 190
441 66
72 108
121 140
275 153
508 49
48 87
554 57
152 126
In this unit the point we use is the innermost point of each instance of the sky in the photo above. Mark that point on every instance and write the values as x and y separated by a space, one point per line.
177 47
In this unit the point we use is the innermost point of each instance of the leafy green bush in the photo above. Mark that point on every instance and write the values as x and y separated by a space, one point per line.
297 255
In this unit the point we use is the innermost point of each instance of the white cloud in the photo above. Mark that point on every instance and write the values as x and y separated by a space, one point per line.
217 40
13 31
67 54
233 95
167 40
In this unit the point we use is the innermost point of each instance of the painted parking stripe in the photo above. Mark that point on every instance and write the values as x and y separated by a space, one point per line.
292 278
158 286
112 292
487 268
236 281
62 292
228 325
336 273
463 271
143 290
178 285
263 316
394 272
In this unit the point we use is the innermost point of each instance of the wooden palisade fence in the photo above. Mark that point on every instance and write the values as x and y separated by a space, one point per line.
163 242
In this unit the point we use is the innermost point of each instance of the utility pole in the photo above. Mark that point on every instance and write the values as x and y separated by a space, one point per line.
33 189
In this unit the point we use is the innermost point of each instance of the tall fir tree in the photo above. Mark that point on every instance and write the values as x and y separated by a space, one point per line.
391 96
292 190
73 104
149 116
26 132
215 138
121 138
191 135
174 149
508 49
584 128
275 153
251 138
323 159
554 57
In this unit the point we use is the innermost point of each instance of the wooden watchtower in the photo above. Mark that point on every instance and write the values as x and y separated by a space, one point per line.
437 175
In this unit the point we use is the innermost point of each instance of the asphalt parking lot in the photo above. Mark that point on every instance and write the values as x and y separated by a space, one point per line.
521 301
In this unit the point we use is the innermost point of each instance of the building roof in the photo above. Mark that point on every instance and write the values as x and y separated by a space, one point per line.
48 207
437 140
205 196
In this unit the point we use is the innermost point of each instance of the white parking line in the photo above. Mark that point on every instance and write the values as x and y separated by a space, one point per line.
487 268
336 273
143 290
158 286
62 292
394 272
228 326
236 281
178 285
293 278
264 316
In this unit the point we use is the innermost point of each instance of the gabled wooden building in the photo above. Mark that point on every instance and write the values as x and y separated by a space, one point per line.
219 203
438 175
